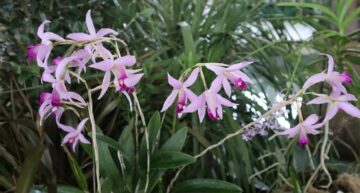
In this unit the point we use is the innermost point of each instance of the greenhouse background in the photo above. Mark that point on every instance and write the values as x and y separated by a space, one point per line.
133 142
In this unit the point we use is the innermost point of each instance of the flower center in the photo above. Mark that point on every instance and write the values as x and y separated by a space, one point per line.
240 84
212 116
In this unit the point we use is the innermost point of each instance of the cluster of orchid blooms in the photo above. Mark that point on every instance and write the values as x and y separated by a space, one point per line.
90 51
338 100
210 100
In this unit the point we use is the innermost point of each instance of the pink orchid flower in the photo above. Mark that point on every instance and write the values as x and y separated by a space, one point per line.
125 79
337 102
335 79
181 90
43 50
232 73
211 101
49 103
73 135
92 32
308 126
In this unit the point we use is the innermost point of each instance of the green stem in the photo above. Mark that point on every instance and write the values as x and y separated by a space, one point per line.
93 132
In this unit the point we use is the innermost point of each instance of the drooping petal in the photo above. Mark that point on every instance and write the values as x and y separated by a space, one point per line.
105 65
337 87
102 52
314 79
292 132
331 112
51 36
227 87
216 69
127 60
192 78
81 125
133 79
310 120
43 55
201 113
196 104
40 30
44 109
239 66
219 111
65 128
169 100
47 77
90 24
319 100
76 96
224 101
62 67
313 129
243 76
347 97
216 84
79 36
105 84
174 83
105 31
83 139
190 94
330 64
74 144
350 109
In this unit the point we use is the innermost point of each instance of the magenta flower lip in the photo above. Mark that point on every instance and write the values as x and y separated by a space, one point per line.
32 51
346 78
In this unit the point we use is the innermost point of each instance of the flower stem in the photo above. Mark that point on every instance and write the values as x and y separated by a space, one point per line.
142 117
203 78
93 132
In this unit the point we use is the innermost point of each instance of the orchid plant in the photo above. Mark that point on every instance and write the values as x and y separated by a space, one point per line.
90 52
339 99
95 49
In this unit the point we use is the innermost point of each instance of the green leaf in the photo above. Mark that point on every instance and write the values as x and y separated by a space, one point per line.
126 141
320 7
350 18
79 175
153 131
29 169
170 159
175 142
5 182
108 167
113 144
206 186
